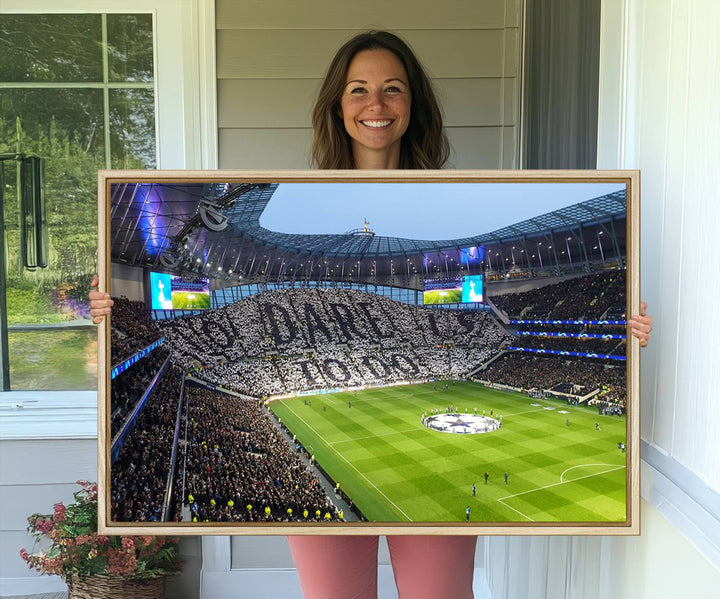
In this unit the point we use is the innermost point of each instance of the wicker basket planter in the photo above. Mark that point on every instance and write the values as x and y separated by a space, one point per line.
116 587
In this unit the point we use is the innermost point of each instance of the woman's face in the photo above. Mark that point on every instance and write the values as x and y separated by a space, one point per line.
375 107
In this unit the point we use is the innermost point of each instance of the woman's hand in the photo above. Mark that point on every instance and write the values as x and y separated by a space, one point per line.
641 325
100 303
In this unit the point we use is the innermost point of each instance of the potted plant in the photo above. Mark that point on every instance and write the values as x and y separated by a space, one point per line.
96 566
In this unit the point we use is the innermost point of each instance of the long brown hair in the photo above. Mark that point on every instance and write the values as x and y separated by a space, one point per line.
424 144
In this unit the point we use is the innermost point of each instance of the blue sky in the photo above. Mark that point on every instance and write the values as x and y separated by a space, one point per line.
419 210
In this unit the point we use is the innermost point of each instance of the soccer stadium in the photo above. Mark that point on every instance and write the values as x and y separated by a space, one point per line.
352 376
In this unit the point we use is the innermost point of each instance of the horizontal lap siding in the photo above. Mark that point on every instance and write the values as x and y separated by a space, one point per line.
353 14
271 60
34 475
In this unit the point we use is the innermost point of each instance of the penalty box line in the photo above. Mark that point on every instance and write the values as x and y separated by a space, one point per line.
562 482
342 457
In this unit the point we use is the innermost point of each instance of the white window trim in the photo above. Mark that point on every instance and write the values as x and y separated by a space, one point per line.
186 129
673 489
186 133
185 77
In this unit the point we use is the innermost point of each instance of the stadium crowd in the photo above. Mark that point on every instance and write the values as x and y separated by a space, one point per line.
575 344
578 375
302 339
132 329
139 475
586 297
129 386
240 468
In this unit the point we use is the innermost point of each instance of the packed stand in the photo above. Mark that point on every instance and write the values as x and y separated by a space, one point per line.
240 468
132 329
587 297
129 386
302 339
579 376
139 475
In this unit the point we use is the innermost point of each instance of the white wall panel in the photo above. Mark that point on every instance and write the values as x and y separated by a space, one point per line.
266 103
52 461
672 127
252 552
34 475
697 438
652 91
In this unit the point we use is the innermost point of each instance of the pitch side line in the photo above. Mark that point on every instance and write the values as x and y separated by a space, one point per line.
372 484
562 482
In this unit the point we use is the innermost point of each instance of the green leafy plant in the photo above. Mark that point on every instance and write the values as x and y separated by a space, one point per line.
77 550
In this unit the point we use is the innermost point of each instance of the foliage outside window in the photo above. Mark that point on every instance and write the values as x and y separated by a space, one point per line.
78 91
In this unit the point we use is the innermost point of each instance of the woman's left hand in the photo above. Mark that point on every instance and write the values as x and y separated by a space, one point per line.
641 325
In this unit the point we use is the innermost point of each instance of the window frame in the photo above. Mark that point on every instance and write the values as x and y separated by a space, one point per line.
186 138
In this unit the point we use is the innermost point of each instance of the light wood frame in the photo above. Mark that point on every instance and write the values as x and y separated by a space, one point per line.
631 525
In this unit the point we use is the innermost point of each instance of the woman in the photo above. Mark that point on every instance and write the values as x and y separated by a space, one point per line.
377 110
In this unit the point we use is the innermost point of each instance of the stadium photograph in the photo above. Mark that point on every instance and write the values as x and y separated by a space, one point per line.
308 353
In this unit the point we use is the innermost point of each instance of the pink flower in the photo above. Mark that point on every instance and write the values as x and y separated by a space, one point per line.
59 512
43 526
53 565
121 562
24 555
128 543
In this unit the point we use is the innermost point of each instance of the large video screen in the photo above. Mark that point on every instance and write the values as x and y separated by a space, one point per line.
171 292
461 290
442 291
472 289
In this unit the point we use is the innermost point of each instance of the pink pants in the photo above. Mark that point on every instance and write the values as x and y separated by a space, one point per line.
345 567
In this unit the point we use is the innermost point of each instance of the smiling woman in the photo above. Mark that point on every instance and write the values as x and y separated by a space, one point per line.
375 108
364 104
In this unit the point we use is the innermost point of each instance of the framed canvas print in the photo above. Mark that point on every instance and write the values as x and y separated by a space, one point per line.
367 352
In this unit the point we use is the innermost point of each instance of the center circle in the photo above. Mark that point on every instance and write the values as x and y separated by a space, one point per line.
462 424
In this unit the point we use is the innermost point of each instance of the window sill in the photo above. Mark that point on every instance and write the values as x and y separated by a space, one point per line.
680 495
48 415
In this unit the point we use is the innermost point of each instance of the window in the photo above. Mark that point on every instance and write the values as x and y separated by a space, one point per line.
77 90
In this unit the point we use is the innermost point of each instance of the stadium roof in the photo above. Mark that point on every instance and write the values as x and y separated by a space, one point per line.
215 230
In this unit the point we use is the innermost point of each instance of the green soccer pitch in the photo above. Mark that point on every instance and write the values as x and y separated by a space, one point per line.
396 470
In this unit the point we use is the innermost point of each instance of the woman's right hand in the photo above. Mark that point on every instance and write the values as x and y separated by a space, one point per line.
100 303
